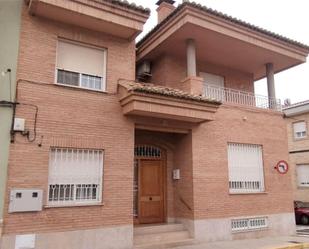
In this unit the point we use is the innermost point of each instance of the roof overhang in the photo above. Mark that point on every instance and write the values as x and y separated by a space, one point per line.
164 106
221 41
102 16
297 109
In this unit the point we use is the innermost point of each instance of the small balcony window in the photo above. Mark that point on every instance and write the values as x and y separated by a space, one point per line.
81 66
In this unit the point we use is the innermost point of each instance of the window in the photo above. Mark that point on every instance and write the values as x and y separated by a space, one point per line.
212 79
213 86
81 66
75 176
245 165
300 130
302 172
242 225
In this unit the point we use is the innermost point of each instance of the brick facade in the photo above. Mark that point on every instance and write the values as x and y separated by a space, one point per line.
300 158
77 118
210 172
69 117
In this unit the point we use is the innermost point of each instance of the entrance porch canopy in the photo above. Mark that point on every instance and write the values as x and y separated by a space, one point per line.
221 40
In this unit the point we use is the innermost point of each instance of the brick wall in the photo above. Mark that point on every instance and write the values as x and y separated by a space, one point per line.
170 71
70 117
184 198
210 171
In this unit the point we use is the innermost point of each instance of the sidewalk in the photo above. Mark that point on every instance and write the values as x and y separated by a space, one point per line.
290 242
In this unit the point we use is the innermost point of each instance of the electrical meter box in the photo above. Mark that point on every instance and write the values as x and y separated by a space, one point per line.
25 200
19 124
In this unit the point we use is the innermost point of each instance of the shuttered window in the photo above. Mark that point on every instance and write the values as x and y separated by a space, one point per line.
245 164
214 85
75 176
300 129
302 172
212 79
81 66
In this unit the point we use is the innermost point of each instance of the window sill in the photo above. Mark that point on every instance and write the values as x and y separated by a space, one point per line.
74 205
300 138
249 193
81 88
251 230
302 187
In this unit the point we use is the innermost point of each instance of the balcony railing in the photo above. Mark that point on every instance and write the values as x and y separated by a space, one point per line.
233 96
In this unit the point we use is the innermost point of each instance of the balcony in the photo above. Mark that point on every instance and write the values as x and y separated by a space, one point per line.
155 101
232 96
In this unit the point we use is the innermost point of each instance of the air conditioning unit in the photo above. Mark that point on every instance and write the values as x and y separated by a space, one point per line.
144 70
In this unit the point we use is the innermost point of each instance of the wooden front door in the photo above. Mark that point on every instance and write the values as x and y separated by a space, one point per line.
151 192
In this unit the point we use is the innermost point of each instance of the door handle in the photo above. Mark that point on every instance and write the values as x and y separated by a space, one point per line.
150 198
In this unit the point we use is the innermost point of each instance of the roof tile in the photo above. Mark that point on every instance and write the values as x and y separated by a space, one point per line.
223 16
133 6
132 86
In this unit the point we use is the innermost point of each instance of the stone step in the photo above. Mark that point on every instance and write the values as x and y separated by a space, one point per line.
161 238
161 228
167 245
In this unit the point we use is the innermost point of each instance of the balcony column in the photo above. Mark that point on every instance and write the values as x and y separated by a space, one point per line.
192 83
271 85
191 58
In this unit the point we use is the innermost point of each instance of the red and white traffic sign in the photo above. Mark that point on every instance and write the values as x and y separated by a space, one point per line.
282 167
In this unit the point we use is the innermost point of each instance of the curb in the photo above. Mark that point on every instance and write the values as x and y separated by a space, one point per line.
298 246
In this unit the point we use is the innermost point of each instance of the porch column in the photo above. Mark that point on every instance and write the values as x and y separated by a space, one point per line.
191 58
271 84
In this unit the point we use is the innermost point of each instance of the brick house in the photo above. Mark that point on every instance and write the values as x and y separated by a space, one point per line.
122 136
297 120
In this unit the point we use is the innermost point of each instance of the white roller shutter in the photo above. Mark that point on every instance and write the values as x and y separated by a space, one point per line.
300 129
75 175
302 175
81 59
212 79
245 163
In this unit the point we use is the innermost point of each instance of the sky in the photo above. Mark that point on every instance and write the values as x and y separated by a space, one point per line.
289 18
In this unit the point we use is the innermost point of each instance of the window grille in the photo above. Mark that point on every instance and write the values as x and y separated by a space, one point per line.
300 129
147 151
246 224
245 163
75 176
302 175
